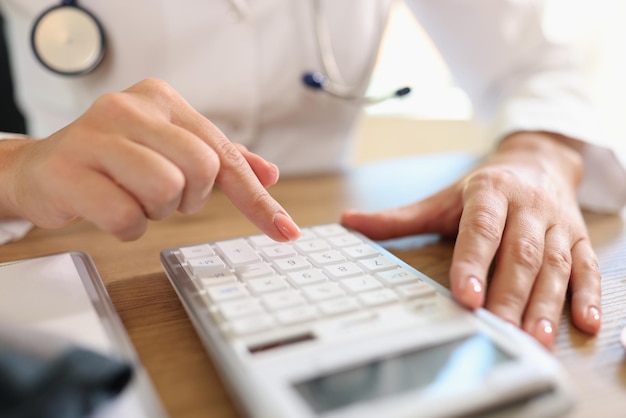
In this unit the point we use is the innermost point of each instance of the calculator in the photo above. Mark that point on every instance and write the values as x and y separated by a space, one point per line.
333 325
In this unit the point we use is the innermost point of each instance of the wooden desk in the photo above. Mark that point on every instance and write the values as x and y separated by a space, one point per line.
172 353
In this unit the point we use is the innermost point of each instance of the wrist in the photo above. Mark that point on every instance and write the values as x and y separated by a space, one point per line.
11 151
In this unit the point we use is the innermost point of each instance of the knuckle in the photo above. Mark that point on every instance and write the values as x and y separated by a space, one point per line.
202 173
155 84
115 105
159 88
590 263
527 253
586 259
229 152
170 186
260 201
166 191
513 186
484 225
492 178
205 166
124 221
559 260
231 156
189 206
124 105
163 195
110 102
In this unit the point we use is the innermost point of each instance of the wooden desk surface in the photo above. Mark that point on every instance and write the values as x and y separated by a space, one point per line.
181 370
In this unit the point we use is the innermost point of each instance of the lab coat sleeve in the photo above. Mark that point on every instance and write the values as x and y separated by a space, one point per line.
13 229
520 80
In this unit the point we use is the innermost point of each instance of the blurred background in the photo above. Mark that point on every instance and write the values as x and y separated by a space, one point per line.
441 113
437 116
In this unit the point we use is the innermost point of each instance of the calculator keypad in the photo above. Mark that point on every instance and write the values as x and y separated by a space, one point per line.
252 285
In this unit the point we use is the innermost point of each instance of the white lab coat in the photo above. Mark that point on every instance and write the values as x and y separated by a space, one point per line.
242 67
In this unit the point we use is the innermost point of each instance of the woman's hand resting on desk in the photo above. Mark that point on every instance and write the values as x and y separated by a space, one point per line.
519 210
135 155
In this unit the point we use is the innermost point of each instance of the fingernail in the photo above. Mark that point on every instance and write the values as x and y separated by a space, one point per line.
544 332
286 226
593 317
475 285
472 291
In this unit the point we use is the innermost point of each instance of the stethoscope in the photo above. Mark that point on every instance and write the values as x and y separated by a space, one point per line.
69 40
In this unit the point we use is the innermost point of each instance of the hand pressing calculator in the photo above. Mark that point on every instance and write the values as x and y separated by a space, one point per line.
333 325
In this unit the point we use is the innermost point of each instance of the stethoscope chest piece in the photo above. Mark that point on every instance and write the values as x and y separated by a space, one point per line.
68 40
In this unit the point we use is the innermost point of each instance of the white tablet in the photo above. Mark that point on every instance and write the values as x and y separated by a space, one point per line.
63 295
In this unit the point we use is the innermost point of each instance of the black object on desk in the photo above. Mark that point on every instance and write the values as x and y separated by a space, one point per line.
44 377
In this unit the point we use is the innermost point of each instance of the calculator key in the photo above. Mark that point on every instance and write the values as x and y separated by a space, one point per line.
379 263
344 240
415 290
196 251
304 277
360 251
327 257
360 284
280 300
313 245
321 291
278 251
206 266
306 234
338 306
259 241
216 279
252 324
298 314
238 251
240 308
329 230
200 287
433 305
286 265
251 271
378 297
267 284
397 276
226 292
339 271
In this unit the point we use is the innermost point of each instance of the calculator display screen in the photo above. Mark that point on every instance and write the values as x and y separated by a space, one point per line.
451 367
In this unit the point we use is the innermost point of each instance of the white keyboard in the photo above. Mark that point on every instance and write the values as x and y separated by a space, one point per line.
294 327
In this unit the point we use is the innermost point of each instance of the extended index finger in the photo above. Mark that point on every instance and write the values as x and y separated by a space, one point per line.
236 178
244 189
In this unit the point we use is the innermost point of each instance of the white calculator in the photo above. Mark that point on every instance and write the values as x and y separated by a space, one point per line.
333 325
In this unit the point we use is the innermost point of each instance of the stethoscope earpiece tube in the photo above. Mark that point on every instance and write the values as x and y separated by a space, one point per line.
68 40
330 80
